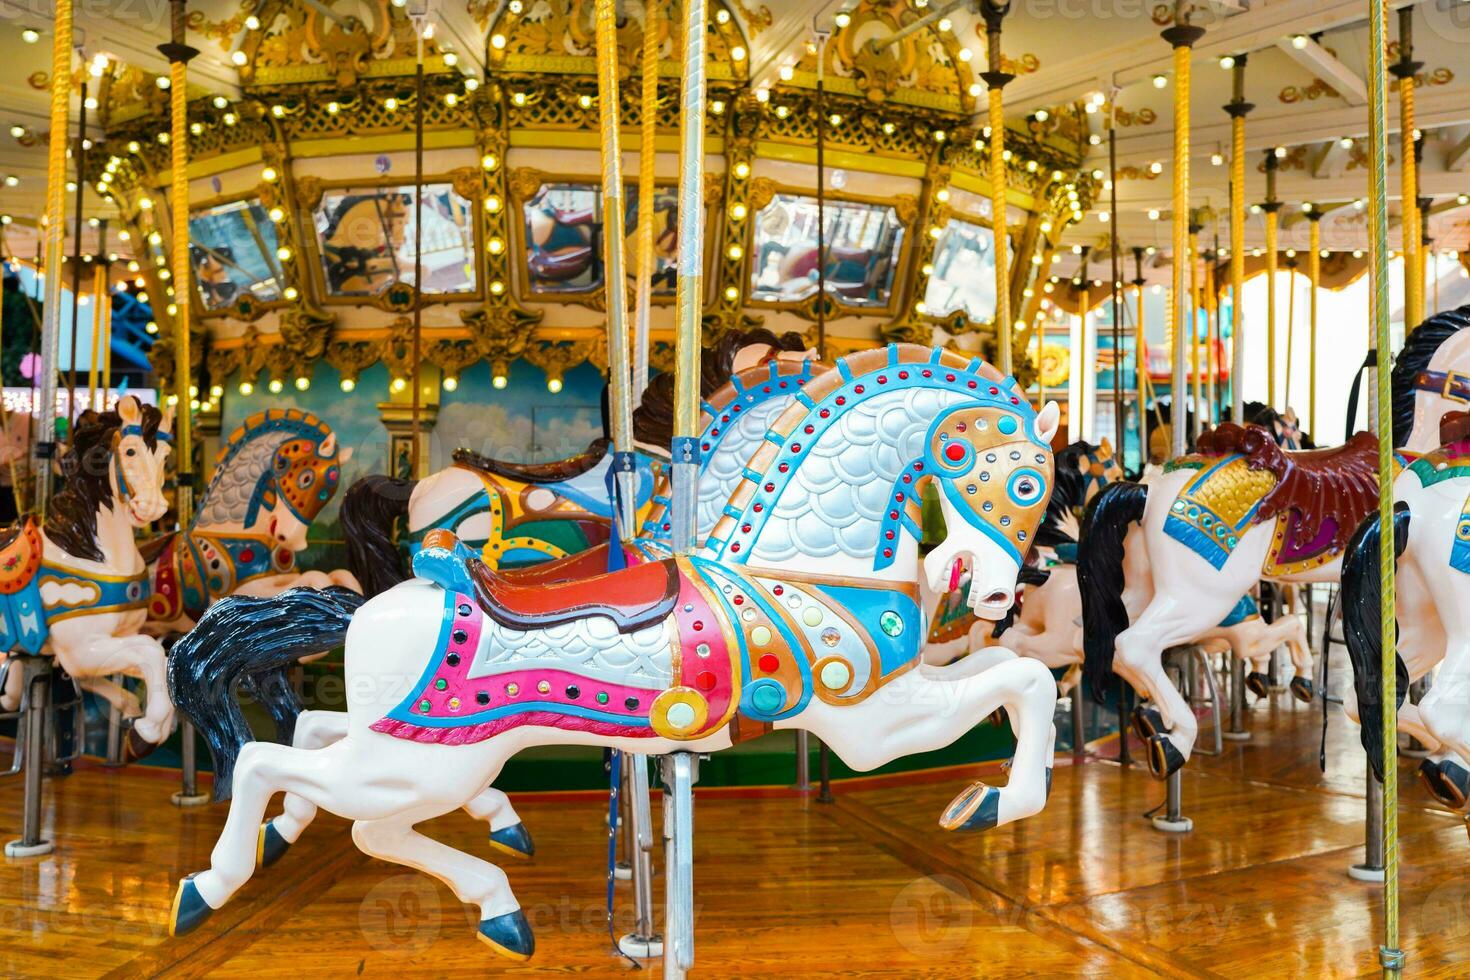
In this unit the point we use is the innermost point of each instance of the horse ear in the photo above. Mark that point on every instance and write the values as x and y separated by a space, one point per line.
328 446
166 424
128 410
344 455
1047 422
1106 447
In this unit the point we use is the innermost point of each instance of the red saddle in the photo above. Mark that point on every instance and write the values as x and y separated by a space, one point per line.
633 598
553 472
1338 484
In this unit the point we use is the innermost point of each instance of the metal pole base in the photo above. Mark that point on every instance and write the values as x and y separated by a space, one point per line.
1414 753
623 871
20 849
1181 826
1363 872
189 799
188 794
1236 736
641 947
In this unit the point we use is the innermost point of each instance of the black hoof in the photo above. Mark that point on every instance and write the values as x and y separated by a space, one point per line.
1448 782
136 747
1302 690
1258 684
509 935
270 845
977 808
515 839
1048 782
1163 758
189 911
1147 722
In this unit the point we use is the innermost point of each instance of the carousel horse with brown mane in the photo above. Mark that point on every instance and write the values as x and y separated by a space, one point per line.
801 611
1239 510
76 587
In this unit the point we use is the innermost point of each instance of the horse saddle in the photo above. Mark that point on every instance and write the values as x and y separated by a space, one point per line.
20 555
556 471
635 597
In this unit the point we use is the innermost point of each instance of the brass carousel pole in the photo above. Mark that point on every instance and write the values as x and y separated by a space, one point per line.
79 156
647 191
1404 70
1390 956
1238 109
681 769
1272 207
620 403
1117 281
417 354
1212 338
178 54
1140 359
995 78
1291 263
1196 349
54 235
99 315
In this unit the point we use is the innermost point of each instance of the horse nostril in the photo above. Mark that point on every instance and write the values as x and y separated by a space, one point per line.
998 596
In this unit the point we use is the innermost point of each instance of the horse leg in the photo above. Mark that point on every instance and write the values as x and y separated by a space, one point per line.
929 707
503 926
93 654
507 833
123 701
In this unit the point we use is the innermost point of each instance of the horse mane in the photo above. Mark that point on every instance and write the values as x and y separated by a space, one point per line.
1419 349
72 521
653 419
285 423
1068 489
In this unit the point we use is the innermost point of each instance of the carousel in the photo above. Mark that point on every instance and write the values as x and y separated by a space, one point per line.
449 445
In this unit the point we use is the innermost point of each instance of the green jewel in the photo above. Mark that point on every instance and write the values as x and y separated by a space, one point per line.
891 623
424 705
440 684
602 697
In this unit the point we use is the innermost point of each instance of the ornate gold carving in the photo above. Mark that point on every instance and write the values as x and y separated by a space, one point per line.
1318 89
1143 117
926 61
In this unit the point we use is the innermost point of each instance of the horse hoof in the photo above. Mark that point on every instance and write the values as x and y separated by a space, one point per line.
509 935
269 845
1258 684
1301 689
189 910
1164 760
976 808
1148 723
1448 782
136 747
514 840
1048 782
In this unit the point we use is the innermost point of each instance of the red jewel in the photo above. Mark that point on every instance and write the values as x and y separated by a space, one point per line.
908 478
778 590
824 413
959 427
955 451
699 624
767 389
893 515
745 528
758 508
740 599
887 552
810 429
770 488
705 445
796 447
705 680
898 497
735 547
858 389
783 384
783 467
882 379
735 409
724 419
668 527
247 554
928 373
1015 400
994 390
714 432
973 385
769 662
949 377
903 375
918 467
888 535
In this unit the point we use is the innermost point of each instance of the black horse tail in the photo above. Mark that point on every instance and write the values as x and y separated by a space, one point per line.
1363 630
1100 577
369 509
240 637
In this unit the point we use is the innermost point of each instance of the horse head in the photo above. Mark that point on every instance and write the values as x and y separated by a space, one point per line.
140 445
306 472
993 466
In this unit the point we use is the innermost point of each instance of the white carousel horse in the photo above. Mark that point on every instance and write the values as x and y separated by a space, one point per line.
76 588
1242 510
800 612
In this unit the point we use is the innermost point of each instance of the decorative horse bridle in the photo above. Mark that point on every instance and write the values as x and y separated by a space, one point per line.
124 491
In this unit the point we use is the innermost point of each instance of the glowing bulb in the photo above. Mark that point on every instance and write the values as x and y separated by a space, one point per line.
30 35
275 385
498 381
497 41
450 382
246 388
216 391
1227 62
347 384
1042 115
451 59
1299 41
390 103
492 203
252 23
269 175
737 212
1346 142
842 19
291 292
737 53
239 58
553 385
397 385
277 215
1160 81
786 73
1217 158
489 161
303 383
742 170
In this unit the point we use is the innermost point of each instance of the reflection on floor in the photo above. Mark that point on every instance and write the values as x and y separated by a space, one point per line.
786 886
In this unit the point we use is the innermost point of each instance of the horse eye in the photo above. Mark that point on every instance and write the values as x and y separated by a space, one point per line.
131 452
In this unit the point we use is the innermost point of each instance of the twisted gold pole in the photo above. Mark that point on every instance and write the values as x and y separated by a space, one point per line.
1195 347
1390 956
178 54
1404 70
996 78
1272 207
1182 36
647 191
1140 358
54 235
1238 109
1314 276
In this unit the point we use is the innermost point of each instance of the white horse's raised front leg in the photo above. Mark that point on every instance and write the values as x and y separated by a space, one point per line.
89 655
930 707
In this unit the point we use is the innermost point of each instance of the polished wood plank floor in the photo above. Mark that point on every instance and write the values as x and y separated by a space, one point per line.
865 887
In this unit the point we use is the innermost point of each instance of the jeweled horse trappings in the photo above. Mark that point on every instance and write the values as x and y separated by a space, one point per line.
1240 510
801 608
76 588
525 514
273 476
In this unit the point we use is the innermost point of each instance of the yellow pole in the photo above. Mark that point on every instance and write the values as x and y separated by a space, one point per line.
1404 70
1238 109
1390 956
1182 37
178 54
1314 275
996 78
1195 348
1140 359
1272 208
1212 339
620 401
647 191
55 239
99 298
690 289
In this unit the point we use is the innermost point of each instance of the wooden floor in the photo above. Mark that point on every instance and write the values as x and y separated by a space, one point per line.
865 887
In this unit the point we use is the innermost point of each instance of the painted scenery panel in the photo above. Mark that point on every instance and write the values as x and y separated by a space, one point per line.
366 240
964 272
563 238
232 248
862 242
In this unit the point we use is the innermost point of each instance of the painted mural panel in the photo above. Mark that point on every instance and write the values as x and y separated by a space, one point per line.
522 422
